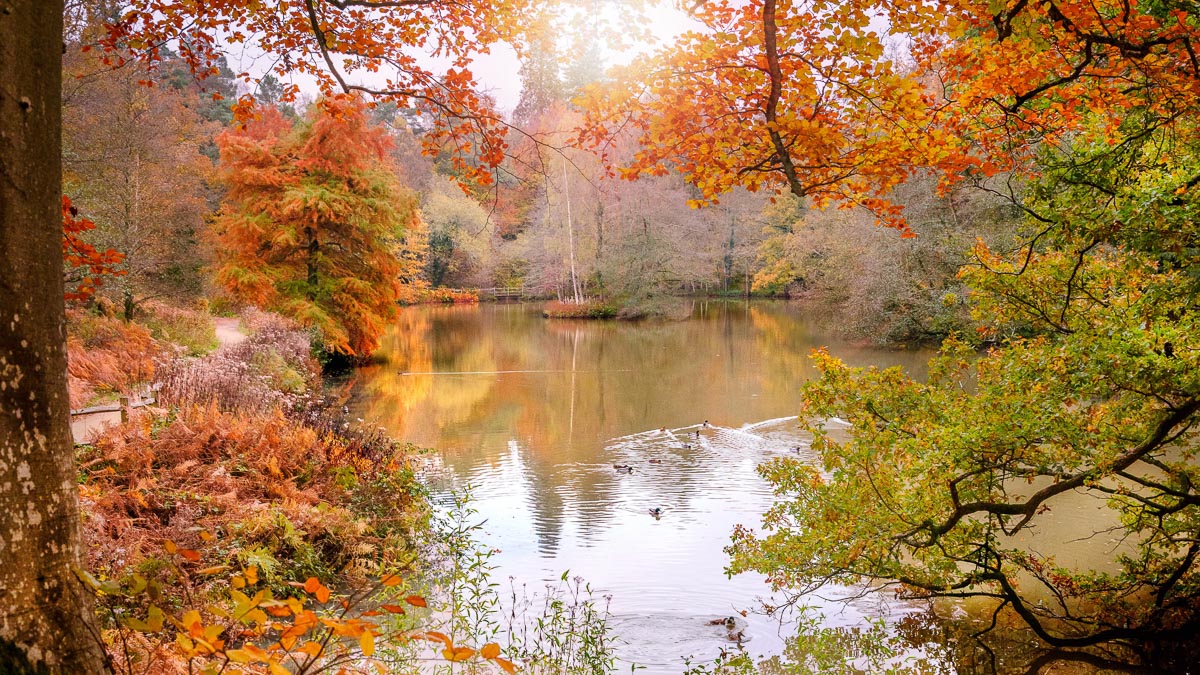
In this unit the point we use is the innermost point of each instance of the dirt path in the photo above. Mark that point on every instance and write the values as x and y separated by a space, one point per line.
228 330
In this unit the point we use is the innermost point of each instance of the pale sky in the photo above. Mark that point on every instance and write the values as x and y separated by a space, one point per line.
497 72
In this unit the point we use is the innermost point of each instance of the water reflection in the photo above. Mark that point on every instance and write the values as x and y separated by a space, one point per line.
536 413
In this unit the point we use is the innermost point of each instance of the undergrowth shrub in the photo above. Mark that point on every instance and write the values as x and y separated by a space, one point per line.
106 356
410 295
591 309
272 369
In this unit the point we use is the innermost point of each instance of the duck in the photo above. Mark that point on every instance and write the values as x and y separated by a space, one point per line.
623 468
735 631
706 424
655 461
656 512
687 446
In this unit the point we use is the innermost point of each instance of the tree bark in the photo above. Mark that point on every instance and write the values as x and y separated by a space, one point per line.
46 620
310 262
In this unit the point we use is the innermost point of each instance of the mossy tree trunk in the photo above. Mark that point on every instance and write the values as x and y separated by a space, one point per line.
46 621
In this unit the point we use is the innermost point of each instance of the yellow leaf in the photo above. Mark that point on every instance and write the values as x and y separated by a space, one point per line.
251 575
207 536
216 569
190 618
367 643
185 643
154 621
506 665
255 616
490 651
311 648
238 655
170 547
391 580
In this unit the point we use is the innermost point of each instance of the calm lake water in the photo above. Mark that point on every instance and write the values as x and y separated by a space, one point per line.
534 413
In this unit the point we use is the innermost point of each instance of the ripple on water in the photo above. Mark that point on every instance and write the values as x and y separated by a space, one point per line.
665 575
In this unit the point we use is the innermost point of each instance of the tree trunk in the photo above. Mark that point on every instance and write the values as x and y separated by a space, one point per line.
600 243
130 305
46 620
310 262
575 293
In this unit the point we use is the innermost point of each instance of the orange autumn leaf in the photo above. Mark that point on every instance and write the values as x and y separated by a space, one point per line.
434 636
490 651
313 586
89 266
458 653
416 601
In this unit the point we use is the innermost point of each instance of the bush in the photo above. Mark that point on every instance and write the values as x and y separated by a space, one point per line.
410 295
106 356
272 369
592 309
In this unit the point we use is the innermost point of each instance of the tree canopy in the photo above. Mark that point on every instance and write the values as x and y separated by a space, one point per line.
312 222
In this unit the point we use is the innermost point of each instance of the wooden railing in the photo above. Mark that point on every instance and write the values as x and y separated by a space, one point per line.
497 294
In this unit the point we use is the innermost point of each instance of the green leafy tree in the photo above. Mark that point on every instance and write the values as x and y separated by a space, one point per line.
312 222
1089 396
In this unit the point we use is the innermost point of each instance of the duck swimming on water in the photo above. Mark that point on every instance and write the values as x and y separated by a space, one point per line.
623 468
735 629
656 512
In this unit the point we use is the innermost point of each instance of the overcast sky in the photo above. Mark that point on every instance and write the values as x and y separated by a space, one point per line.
498 72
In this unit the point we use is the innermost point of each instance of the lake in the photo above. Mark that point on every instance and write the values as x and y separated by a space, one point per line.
535 413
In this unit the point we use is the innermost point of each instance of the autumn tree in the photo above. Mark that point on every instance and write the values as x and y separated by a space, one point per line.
312 221
126 146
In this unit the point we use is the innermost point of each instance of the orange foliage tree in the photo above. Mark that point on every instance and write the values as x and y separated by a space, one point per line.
842 101
312 222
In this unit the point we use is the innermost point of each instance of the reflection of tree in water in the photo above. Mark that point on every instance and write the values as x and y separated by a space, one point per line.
546 504
1009 647
586 382
926 642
